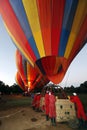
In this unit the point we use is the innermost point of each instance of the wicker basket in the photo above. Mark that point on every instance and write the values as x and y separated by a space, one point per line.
65 110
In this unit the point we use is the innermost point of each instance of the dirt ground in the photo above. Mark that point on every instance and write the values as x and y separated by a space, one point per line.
25 118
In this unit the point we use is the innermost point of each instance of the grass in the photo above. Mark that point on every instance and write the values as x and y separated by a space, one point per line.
12 101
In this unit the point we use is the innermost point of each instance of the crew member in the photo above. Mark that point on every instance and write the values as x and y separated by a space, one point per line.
52 108
79 109
47 105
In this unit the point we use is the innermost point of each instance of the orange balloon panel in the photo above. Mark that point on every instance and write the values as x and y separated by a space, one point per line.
20 66
20 82
35 78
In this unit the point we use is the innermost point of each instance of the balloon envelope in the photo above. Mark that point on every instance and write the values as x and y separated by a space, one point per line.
49 33
19 81
28 75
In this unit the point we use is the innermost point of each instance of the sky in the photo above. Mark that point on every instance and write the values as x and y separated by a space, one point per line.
7 57
75 75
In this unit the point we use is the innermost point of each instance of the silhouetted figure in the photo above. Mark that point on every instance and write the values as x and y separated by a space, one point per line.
79 109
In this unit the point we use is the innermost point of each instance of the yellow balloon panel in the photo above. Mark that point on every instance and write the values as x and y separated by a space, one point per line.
81 12
32 15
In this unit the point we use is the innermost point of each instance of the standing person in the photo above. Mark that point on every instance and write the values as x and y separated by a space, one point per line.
34 101
79 109
52 108
38 102
47 105
42 103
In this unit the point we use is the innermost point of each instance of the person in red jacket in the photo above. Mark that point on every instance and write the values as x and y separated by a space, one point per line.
52 108
79 108
47 105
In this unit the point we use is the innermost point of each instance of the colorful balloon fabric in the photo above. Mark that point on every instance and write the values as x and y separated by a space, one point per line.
20 82
48 33
28 77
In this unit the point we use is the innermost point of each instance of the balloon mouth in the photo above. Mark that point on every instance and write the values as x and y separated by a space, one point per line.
51 65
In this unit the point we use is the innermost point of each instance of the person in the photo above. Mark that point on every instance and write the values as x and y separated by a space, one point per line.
79 109
47 105
42 103
34 101
52 108
38 102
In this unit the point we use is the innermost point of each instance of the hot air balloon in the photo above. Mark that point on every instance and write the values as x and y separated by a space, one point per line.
19 81
49 33
28 77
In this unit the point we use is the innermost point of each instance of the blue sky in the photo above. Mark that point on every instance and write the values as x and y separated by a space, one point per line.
7 57
76 74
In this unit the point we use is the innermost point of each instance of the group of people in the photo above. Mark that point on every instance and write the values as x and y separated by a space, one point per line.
36 102
50 108
46 102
